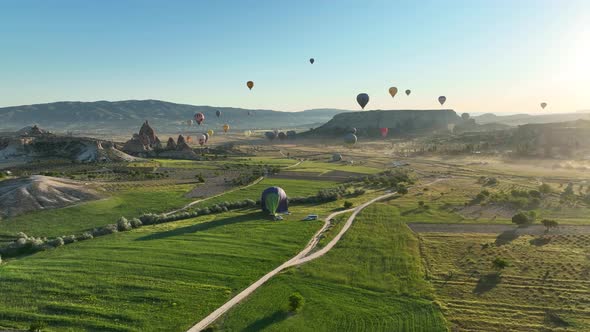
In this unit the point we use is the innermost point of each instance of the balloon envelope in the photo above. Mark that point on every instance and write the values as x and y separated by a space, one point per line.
408 92
250 85
210 132
442 100
202 139
351 130
247 133
362 99
218 113
274 200
543 105
384 132
199 117
206 137
282 136
393 91
270 135
311 60
225 128
350 139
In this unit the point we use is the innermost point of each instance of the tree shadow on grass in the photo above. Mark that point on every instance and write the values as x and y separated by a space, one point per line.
506 237
203 226
487 282
265 322
540 241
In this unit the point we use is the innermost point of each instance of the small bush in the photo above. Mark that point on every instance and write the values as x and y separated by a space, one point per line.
296 302
105 230
135 223
123 224
84 236
69 239
57 242
348 204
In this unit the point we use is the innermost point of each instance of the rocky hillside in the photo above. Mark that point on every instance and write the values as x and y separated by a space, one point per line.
38 144
105 116
38 192
399 122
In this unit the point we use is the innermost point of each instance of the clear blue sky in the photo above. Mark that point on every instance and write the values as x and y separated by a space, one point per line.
484 55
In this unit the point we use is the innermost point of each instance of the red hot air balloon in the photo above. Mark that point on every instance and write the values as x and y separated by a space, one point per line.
384 132
199 117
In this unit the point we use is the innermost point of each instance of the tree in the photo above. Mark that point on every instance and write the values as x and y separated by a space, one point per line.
500 264
347 204
296 302
37 326
548 223
402 190
520 218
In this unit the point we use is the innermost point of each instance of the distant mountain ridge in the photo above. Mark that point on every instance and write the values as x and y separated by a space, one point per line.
521 119
127 115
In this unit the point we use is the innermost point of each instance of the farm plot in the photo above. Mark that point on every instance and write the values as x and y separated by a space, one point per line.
543 287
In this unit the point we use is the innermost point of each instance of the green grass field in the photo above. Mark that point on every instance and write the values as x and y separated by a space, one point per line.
323 167
372 280
156 278
74 219
293 188
544 288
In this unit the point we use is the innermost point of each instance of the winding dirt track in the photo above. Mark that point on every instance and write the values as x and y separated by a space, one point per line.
300 258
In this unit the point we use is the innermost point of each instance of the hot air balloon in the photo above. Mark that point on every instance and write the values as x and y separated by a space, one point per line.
362 99
189 122
384 132
543 105
393 91
408 92
442 100
312 60
225 128
218 113
247 133
250 85
270 135
206 137
199 117
202 139
350 139
351 130
189 139
274 200
210 132
282 136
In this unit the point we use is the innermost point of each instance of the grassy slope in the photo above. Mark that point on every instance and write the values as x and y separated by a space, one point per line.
162 277
371 281
74 219
547 274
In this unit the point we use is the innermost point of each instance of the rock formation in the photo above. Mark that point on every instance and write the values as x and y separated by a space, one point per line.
145 141
171 145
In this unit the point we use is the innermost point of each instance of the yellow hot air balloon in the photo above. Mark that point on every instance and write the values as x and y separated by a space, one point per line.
393 91
247 133
210 132
225 128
